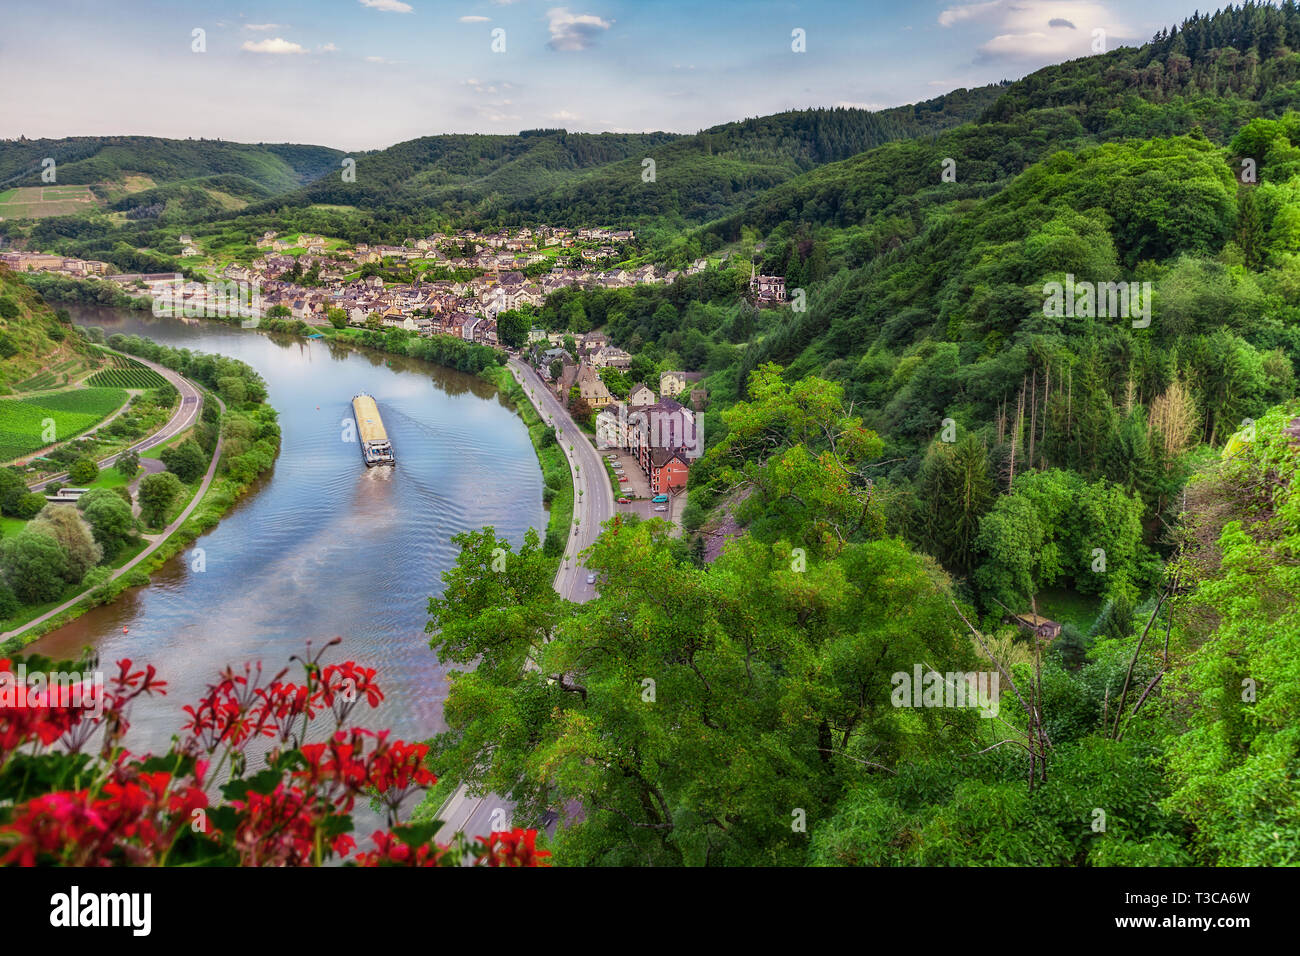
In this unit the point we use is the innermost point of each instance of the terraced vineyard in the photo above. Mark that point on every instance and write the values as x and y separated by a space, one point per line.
24 421
123 372
50 377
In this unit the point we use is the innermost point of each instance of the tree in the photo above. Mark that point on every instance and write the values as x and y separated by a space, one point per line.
29 505
953 492
633 702
34 565
83 471
65 525
616 381
232 389
512 328
128 463
804 457
156 495
110 519
12 488
337 317
186 460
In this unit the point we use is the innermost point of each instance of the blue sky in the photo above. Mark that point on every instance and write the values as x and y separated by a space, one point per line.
361 74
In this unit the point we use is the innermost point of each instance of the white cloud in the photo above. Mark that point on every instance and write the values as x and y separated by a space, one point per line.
969 11
574 31
388 6
475 19
849 105
564 116
329 48
277 45
1039 31
264 26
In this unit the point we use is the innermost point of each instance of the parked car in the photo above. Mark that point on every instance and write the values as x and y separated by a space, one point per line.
661 507
660 499
622 477
591 579
625 501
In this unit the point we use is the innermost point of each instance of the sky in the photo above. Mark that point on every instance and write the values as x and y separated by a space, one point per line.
364 74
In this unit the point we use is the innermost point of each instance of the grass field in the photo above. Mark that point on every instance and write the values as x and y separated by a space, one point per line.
23 421
33 202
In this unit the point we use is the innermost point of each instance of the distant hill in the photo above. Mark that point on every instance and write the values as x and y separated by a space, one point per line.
133 172
558 176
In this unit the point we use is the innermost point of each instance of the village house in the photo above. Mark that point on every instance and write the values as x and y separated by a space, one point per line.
610 357
668 470
640 395
767 289
593 342
610 427
591 389
672 384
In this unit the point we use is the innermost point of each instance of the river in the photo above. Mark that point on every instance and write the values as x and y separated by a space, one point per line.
322 546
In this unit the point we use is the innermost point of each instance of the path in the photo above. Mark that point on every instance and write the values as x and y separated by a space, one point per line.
186 414
156 542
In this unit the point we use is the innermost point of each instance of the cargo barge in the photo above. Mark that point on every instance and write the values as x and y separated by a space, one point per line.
376 449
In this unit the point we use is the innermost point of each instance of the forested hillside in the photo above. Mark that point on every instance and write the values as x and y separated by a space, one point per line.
86 160
1057 383
557 176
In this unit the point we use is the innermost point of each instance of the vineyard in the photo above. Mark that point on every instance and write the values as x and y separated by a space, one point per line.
126 373
24 421
49 378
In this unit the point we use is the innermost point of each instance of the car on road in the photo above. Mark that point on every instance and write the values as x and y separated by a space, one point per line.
661 507
591 579
625 501
660 499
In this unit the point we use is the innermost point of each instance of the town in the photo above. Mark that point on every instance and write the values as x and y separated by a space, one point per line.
480 275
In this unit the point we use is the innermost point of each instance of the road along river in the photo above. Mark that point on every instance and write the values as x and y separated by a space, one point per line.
323 546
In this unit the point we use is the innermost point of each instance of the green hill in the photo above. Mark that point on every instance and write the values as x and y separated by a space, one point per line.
38 348
555 175
115 160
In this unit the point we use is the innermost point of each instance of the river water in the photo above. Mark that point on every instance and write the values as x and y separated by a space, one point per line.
323 546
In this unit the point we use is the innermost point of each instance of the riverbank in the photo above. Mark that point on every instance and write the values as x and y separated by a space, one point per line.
556 475
207 503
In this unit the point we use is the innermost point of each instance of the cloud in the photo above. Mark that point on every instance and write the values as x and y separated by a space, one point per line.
388 6
264 26
278 45
475 19
328 48
969 11
850 105
564 116
381 59
574 31
1038 31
